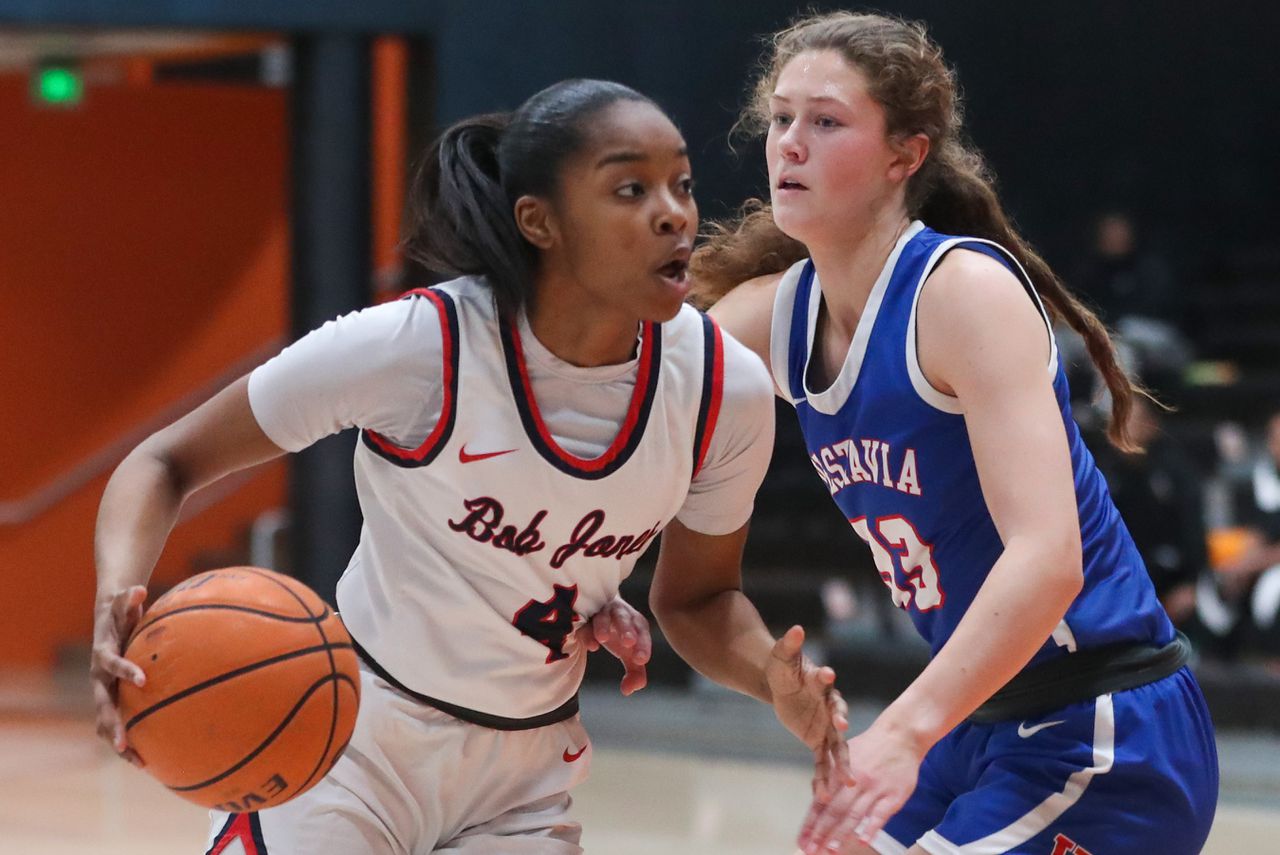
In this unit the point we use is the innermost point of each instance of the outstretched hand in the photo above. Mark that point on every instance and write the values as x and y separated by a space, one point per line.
624 632
807 703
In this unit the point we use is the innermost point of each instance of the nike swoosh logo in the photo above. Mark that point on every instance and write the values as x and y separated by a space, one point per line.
1026 732
569 758
463 457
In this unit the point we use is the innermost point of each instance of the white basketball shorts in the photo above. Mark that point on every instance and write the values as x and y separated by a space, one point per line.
415 780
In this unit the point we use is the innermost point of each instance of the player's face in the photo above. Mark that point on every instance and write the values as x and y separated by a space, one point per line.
626 213
830 158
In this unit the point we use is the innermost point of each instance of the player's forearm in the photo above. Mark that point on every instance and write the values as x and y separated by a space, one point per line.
1017 608
723 638
138 510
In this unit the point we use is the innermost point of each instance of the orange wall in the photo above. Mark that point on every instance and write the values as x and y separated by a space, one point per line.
143 251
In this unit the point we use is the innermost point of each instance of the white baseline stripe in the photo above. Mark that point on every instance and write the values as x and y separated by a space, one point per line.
1040 817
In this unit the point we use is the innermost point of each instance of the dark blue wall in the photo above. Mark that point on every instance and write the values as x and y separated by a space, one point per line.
1170 110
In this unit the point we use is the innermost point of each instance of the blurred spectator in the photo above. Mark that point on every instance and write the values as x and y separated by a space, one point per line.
1158 495
1244 602
1134 292
1123 282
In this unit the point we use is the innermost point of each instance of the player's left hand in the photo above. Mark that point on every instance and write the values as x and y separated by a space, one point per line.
885 763
624 632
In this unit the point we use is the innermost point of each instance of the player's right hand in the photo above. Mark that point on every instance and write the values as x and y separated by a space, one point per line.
112 625
806 701
620 629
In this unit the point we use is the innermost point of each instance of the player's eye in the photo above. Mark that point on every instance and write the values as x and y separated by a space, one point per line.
631 190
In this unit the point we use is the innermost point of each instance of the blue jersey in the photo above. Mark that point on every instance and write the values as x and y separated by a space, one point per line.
894 453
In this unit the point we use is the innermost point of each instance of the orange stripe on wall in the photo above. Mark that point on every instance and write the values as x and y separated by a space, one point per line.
390 140
151 253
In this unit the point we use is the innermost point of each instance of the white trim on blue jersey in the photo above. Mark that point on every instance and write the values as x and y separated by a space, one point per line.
784 303
926 390
830 400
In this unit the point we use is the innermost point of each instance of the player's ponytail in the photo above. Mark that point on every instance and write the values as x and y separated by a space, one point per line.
460 218
463 193
953 191
957 196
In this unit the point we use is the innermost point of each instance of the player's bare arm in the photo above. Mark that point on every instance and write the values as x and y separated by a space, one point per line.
139 508
698 601
990 348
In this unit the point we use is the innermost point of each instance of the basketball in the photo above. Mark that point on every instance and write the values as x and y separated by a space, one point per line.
251 693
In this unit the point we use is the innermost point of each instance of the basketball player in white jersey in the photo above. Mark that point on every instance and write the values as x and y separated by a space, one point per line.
527 431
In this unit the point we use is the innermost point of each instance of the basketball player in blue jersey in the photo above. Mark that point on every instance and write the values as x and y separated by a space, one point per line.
901 314
527 430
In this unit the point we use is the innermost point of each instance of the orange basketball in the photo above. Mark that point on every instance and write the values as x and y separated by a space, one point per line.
251 692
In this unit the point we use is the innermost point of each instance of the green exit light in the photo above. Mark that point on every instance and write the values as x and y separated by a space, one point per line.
59 85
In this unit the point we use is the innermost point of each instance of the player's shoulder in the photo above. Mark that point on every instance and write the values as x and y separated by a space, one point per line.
407 334
466 293
427 311
967 273
744 372
746 377
392 325
747 312
975 311
970 289
751 302
469 291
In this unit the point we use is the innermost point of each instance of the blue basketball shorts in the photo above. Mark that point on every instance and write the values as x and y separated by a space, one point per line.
1133 771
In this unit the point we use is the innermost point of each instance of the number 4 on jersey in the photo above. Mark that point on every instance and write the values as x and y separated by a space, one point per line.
895 541
549 623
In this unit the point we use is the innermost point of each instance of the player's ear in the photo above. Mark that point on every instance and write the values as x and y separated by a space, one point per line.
535 220
911 151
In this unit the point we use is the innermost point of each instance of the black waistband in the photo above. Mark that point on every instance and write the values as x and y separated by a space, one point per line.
496 722
1082 676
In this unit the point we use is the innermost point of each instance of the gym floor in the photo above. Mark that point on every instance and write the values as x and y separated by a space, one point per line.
701 771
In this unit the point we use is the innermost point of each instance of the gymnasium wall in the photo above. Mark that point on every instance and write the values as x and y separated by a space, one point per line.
1167 110
143 263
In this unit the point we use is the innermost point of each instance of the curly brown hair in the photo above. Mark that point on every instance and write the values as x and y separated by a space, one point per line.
953 191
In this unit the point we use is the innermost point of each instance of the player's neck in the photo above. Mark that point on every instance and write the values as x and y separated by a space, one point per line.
581 331
849 267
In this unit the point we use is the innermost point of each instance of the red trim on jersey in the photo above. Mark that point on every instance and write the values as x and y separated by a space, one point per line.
717 393
418 454
645 370
239 827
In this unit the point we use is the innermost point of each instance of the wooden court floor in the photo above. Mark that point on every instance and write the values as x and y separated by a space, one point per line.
724 781
63 794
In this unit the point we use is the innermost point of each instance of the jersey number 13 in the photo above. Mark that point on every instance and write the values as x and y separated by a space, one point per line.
896 546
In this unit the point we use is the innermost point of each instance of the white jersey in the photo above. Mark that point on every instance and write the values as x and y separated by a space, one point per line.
485 541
